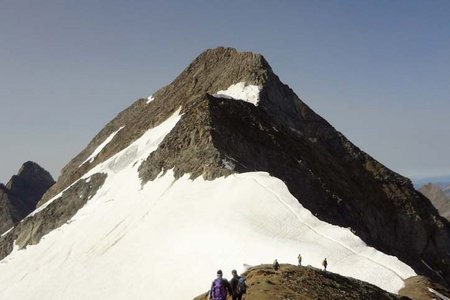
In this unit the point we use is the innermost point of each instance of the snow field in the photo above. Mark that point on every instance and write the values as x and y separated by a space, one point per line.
166 239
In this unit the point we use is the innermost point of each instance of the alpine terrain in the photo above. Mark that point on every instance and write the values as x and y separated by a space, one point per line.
223 167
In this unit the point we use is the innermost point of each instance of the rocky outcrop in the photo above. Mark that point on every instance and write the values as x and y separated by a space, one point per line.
21 194
291 282
438 198
329 175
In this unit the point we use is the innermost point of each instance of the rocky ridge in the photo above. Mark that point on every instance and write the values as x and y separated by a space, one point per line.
304 283
216 137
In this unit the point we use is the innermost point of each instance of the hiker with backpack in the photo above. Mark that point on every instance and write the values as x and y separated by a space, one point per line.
276 265
238 286
220 287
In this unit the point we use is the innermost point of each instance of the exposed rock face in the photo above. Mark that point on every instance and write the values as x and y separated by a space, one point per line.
328 174
21 194
438 198
291 282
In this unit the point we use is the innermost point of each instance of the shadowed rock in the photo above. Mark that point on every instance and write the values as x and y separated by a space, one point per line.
22 192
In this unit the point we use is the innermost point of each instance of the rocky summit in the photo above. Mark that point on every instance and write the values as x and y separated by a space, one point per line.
228 124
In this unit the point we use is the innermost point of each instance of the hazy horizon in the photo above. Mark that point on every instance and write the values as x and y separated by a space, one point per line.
378 71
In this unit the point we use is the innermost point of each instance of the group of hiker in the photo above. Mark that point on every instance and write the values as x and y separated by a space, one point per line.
237 287
220 287
324 262
276 265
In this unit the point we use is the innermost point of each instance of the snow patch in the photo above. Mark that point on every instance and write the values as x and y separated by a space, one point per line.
94 154
241 91
150 99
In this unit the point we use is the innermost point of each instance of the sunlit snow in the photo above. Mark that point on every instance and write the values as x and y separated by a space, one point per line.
166 239
100 147
241 91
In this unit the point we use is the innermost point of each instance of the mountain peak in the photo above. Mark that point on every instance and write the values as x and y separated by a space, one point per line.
217 136
30 169
221 56
215 70
25 189
31 174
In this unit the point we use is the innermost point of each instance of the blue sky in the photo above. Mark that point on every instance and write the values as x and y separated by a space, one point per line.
379 71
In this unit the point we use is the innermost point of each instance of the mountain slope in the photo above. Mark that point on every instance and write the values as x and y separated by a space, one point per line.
147 198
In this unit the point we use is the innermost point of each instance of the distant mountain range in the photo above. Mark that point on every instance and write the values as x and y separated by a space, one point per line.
443 182
446 191
439 197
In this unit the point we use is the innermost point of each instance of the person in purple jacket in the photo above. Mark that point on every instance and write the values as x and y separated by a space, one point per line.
220 288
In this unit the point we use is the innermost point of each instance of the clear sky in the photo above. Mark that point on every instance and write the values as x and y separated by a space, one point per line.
379 70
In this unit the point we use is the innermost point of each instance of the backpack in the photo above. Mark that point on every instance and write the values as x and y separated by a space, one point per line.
241 286
218 290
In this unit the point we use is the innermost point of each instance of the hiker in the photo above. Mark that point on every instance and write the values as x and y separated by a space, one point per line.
325 264
276 265
220 287
238 286
299 260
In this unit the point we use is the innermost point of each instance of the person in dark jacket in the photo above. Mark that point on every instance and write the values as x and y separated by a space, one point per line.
325 264
276 265
220 287
236 291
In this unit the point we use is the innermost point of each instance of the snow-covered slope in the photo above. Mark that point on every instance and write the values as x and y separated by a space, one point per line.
166 239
